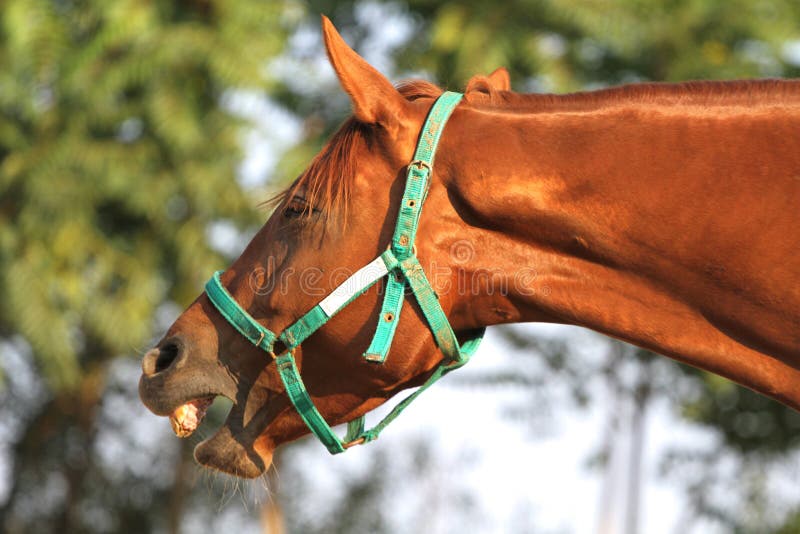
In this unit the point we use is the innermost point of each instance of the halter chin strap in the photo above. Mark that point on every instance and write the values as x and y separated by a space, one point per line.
401 265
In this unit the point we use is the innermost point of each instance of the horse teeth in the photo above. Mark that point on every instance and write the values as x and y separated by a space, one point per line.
186 417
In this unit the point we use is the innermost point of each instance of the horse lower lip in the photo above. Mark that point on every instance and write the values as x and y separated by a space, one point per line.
231 449
187 417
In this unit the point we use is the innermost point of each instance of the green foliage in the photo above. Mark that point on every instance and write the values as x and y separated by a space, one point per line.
748 422
791 526
115 155
567 45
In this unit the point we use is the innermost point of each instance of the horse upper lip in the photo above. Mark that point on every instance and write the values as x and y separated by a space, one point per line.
162 397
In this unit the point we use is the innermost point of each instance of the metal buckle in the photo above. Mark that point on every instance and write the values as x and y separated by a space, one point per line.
357 441
420 164
276 356
263 335
413 248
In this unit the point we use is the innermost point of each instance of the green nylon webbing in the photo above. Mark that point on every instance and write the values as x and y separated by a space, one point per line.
445 338
403 269
304 405
387 321
416 189
316 317
429 303
418 176
355 431
259 336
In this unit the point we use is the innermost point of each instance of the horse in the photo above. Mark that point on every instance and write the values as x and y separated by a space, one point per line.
663 215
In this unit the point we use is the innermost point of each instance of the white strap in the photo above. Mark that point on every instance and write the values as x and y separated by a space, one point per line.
354 285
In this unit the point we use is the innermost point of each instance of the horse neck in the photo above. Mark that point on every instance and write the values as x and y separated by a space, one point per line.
637 220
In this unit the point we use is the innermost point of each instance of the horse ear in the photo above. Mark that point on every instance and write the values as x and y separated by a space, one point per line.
500 79
374 98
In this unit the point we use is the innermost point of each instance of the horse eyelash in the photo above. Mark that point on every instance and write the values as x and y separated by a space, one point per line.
291 212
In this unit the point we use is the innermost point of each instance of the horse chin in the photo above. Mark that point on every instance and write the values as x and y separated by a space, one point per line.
223 453
230 452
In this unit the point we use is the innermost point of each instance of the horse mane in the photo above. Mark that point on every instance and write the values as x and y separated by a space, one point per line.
327 180
750 93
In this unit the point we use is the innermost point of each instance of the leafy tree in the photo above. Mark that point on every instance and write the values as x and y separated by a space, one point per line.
569 45
118 151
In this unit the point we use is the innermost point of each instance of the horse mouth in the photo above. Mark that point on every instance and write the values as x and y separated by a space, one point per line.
232 448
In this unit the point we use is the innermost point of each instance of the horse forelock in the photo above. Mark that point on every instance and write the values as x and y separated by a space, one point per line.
327 182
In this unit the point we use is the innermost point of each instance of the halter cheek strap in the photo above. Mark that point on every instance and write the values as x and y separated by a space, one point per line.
400 266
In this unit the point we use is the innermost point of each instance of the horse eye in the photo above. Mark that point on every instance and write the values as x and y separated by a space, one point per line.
295 208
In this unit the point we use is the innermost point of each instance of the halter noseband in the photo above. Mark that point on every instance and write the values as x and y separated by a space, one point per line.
401 263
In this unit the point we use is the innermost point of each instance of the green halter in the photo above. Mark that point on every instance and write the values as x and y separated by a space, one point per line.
400 260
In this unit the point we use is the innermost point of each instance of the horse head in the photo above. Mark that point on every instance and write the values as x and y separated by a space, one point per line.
335 218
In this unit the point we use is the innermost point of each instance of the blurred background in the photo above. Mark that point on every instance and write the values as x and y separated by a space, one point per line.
137 140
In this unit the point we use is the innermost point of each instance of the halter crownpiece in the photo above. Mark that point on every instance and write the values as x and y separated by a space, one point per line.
400 262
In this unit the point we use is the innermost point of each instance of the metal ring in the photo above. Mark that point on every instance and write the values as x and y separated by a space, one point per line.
353 443
413 248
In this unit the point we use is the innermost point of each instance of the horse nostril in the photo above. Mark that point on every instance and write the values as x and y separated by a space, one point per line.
166 355
160 358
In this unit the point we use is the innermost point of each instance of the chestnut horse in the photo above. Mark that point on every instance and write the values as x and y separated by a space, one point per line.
662 215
